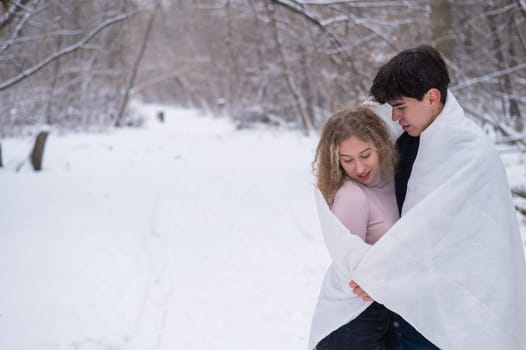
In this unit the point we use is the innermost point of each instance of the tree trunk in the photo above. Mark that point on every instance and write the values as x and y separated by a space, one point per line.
56 69
286 73
305 65
510 106
38 150
235 77
515 51
441 27
135 68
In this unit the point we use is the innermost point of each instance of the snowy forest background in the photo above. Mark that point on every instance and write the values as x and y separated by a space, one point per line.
76 64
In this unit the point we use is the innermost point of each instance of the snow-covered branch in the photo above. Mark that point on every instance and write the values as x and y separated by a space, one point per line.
509 134
490 13
298 9
29 13
364 4
514 138
26 39
365 21
72 48
487 77
13 8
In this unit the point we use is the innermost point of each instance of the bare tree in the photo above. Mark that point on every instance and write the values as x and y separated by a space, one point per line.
70 64
490 64
65 51
136 64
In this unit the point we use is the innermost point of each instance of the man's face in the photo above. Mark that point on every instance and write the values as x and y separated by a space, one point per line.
413 115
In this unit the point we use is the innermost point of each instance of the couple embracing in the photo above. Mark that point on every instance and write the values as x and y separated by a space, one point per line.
424 241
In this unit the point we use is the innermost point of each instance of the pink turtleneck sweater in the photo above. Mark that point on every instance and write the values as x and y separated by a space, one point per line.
367 211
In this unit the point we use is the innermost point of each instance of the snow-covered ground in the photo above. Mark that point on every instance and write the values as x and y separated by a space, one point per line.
183 235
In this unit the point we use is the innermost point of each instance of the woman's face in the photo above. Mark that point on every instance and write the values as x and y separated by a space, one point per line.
360 160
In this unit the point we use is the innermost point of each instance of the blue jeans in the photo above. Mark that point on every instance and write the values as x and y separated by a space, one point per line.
376 328
405 337
369 331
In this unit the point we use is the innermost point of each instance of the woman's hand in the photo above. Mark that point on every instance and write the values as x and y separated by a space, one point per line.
359 291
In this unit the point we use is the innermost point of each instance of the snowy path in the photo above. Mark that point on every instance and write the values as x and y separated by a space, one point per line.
188 235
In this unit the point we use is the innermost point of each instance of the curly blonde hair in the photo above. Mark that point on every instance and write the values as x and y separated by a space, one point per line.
362 123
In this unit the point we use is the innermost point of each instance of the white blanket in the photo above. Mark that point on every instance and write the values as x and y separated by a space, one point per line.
453 266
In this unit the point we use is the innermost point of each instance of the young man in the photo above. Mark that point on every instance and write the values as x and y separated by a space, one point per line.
453 265
414 83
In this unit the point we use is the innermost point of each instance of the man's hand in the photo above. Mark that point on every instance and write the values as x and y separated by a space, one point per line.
359 291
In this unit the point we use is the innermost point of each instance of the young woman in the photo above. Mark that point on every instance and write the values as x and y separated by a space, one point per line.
354 165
